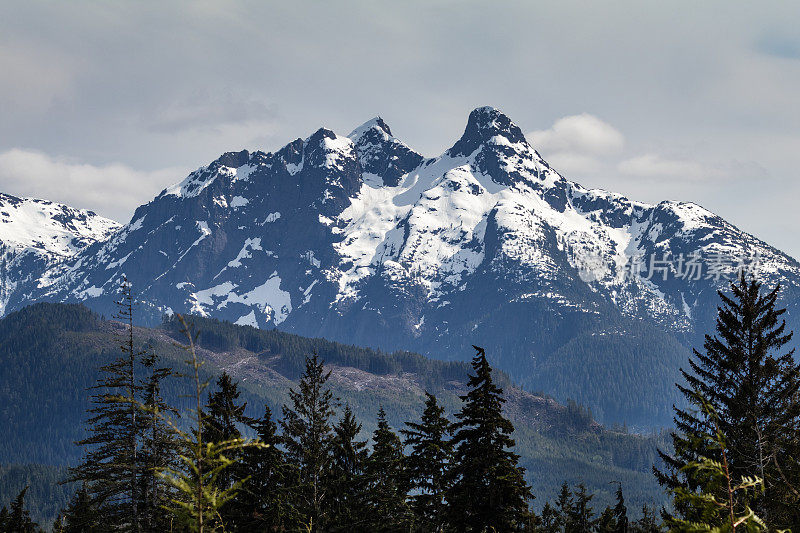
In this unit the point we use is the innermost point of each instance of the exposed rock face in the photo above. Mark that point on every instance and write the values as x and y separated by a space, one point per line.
361 239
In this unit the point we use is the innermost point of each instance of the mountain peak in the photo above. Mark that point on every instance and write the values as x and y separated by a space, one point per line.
320 134
381 154
376 123
483 124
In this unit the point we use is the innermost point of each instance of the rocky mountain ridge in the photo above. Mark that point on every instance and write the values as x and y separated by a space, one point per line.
361 239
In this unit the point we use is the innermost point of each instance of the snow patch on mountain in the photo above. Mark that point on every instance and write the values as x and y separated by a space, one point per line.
36 235
351 216
268 298
49 227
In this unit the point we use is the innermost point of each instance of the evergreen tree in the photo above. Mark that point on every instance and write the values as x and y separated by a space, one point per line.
579 518
607 523
488 487
648 522
718 499
549 520
111 467
19 519
307 437
199 496
3 518
349 511
752 387
563 507
223 422
261 503
225 414
159 448
427 465
81 516
388 508
620 512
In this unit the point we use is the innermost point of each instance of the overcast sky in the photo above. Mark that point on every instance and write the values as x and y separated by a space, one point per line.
103 104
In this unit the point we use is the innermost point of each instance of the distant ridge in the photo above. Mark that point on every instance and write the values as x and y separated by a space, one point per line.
361 239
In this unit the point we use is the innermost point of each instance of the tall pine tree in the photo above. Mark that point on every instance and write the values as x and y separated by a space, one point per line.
427 465
159 447
488 486
224 422
261 504
81 515
580 517
112 467
308 437
225 419
347 477
752 386
563 506
18 519
388 508
620 512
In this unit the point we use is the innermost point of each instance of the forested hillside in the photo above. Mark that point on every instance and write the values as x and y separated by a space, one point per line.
51 353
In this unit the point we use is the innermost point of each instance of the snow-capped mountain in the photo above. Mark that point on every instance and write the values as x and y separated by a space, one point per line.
37 234
360 239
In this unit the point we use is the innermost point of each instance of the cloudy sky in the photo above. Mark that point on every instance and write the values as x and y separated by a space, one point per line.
104 104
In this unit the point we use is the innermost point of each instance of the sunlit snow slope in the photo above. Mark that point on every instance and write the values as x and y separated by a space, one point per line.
37 234
360 239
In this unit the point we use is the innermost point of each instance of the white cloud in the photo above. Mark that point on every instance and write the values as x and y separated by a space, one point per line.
82 78
582 134
654 166
578 145
113 190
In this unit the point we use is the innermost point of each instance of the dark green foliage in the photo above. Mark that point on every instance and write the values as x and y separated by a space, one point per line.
82 515
720 502
647 523
615 519
563 507
549 519
45 495
44 374
222 422
606 522
159 447
430 457
308 437
622 378
386 503
43 405
580 517
17 519
488 487
752 390
573 513
262 502
348 481
111 466
225 414
223 336
620 512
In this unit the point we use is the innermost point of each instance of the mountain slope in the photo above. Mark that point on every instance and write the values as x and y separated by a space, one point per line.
37 234
361 239
51 353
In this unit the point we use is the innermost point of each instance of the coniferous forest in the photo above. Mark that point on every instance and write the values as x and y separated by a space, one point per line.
176 448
